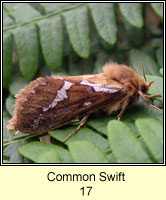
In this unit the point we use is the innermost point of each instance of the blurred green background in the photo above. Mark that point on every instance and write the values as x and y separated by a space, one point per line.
42 39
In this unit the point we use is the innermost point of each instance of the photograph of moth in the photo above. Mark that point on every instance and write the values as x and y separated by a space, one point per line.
54 101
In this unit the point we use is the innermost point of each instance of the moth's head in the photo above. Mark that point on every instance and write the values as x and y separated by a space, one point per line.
144 86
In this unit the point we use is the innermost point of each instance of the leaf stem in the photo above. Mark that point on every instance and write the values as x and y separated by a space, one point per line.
44 17
22 137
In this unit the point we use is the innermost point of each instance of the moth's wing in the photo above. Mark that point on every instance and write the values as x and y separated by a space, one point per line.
51 102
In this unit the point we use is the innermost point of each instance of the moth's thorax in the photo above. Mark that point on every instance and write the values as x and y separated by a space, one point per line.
124 75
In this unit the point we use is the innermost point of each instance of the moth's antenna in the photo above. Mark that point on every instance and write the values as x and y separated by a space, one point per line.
150 84
143 71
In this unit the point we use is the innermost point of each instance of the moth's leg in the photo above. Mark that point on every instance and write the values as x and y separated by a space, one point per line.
125 104
83 121
16 132
146 101
152 96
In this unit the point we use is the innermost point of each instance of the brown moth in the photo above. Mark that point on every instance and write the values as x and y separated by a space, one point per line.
52 102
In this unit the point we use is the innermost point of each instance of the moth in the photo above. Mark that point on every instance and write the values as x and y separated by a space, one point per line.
55 101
